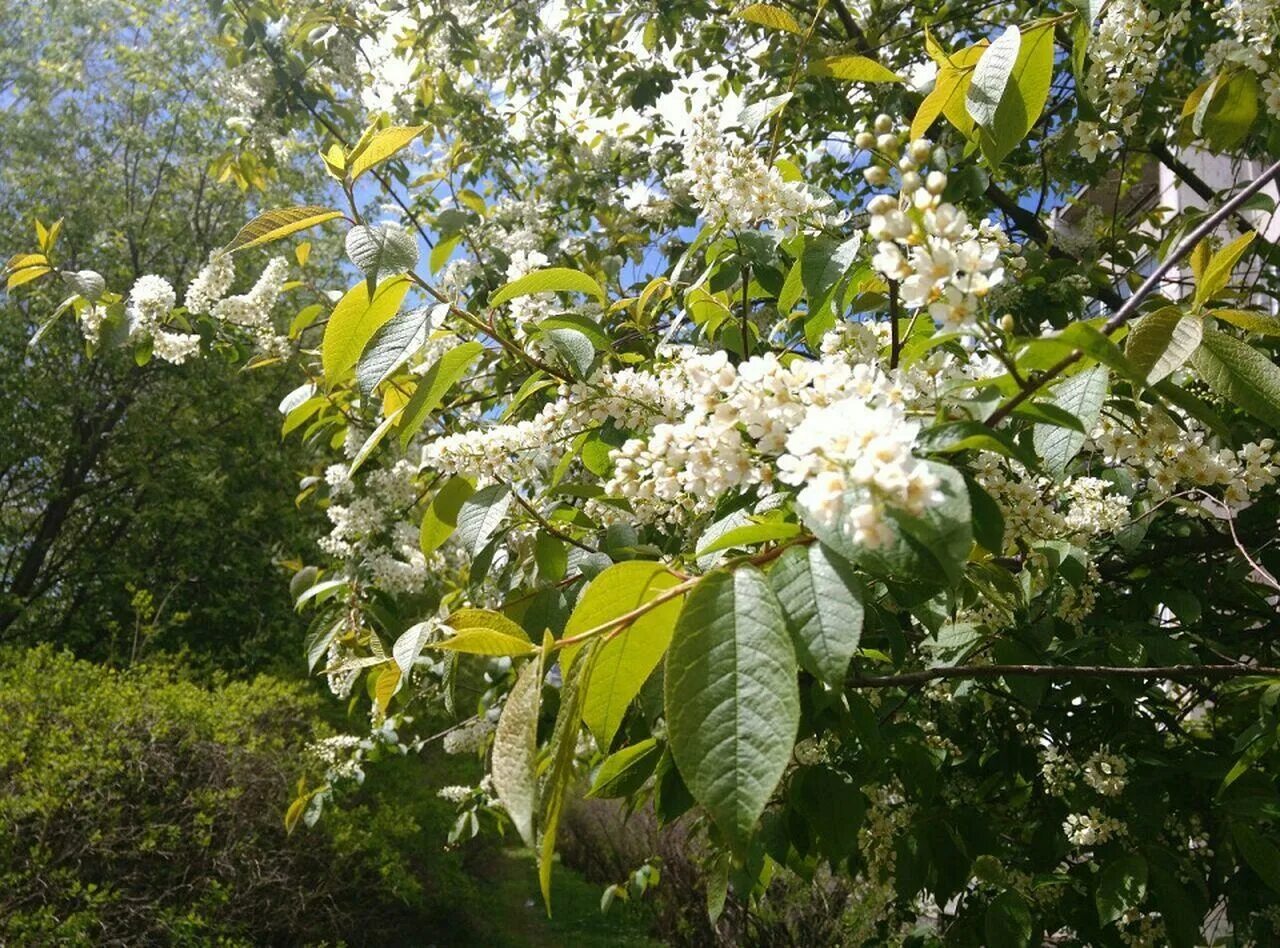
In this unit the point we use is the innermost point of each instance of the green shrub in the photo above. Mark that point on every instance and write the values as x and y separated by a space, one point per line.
139 808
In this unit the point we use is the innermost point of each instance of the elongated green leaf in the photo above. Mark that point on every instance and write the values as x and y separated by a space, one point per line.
1024 97
1249 320
480 515
273 225
354 321
515 751
381 146
751 534
765 14
1261 855
550 280
1122 885
1008 922
854 69
387 248
461 619
946 87
409 645
624 661
431 389
1240 374
392 346
1227 113
991 77
371 443
564 742
1161 342
822 600
575 349
1218 272
441 518
732 701
625 772
1080 395
481 641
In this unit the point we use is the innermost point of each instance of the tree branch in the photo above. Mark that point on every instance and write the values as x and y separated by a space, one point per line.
1130 307
1065 672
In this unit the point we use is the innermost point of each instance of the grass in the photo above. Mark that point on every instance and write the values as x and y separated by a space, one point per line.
576 917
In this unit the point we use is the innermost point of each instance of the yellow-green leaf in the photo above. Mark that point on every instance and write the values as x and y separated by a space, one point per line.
26 275
550 280
1249 320
854 69
1161 342
482 641
441 518
1218 272
381 145
486 619
626 659
775 18
273 225
355 320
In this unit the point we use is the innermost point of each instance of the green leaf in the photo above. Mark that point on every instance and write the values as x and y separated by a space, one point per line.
386 248
951 84
1160 343
575 349
515 751
952 436
988 521
442 375
1080 395
751 534
551 280
991 77
1122 885
931 548
1008 922
468 618
1240 374
481 641
563 746
480 515
551 556
1248 320
441 518
1024 97
379 147
1226 115
372 442
272 225
1049 414
625 772
1218 272
775 18
732 702
354 321
624 661
409 645
854 69
822 600
1261 855
392 346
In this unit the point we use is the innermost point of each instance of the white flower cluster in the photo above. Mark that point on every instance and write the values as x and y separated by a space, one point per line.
1252 42
339 679
941 262
513 451
1090 829
855 462
733 186
1106 773
370 530
341 755
211 284
1093 511
1171 455
150 303
252 310
836 429
1124 57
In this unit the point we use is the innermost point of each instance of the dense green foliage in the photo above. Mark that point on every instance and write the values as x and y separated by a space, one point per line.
137 808
755 414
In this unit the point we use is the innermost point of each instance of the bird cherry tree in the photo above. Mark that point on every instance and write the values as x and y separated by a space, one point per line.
800 418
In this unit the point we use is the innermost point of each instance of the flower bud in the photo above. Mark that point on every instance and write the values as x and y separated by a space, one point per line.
875 176
936 182
865 140
883 123
920 150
